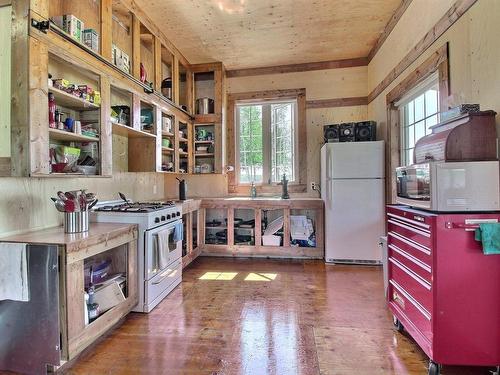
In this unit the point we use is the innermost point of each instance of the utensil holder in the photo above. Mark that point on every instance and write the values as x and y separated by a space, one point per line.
76 222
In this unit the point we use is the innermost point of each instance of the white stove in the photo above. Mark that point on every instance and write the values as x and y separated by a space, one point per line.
159 249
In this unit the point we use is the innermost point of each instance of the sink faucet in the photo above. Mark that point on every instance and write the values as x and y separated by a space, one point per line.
284 188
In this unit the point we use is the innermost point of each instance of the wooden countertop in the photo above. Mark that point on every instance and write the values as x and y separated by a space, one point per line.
98 233
190 205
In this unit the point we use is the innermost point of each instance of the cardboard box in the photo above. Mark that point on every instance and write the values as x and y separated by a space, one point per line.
71 25
91 39
121 59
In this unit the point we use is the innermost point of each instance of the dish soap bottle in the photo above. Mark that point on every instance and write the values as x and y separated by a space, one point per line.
253 191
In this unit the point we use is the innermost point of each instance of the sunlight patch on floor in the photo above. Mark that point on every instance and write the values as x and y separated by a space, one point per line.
261 276
218 276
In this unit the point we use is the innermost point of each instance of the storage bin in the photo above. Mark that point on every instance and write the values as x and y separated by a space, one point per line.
271 240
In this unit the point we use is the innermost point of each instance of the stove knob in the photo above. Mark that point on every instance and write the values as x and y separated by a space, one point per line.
168 217
178 213
163 218
157 219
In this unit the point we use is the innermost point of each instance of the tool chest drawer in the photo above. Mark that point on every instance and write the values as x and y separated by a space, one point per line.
401 300
415 265
422 253
418 235
417 287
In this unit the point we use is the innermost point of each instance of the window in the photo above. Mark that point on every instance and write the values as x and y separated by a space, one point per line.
266 141
419 110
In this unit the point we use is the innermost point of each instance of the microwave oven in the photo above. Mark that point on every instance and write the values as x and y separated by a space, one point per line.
450 186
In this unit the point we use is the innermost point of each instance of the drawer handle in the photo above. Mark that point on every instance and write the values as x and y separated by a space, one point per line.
163 276
411 258
413 244
418 224
410 228
410 273
412 300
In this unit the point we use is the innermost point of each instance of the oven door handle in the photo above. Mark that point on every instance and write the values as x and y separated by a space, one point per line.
163 276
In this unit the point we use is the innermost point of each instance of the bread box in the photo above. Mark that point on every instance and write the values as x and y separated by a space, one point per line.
469 137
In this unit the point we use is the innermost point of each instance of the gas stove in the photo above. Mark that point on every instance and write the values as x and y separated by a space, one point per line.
136 207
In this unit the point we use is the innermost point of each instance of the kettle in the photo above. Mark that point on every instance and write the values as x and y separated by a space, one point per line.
182 189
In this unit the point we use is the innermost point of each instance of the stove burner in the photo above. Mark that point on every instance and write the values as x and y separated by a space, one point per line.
137 207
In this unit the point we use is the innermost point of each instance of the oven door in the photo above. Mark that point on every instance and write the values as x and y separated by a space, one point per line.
414 185
162 246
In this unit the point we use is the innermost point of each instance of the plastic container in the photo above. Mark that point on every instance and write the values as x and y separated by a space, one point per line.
271 240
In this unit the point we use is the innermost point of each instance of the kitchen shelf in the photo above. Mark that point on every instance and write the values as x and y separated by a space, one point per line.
204 142
66 100
167 149
127 131
218 228
204 155
63 135
182 153
183 140
166 134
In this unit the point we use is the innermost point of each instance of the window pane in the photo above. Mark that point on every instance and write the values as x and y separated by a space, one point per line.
431 121
409 156
431 102
411 136
250 144
419 108
419 130
410 118
282 141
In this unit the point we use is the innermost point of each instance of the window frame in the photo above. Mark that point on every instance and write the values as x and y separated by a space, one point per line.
300 183
431 82
266 139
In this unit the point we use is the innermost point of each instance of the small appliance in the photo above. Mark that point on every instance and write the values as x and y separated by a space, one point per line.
346 132
450 186
365 131
331 133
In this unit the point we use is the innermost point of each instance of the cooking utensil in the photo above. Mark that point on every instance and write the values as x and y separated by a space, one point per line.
204 106
54 199
92 204
60 206
69 205
124 198
61 196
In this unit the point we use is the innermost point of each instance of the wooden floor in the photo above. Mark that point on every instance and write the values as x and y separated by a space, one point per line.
264 317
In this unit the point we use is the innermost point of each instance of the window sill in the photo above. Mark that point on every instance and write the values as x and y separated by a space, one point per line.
267 189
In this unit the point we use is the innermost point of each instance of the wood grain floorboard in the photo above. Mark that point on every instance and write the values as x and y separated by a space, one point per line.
238 316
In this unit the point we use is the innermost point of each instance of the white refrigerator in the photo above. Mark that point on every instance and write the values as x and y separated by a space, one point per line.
353 189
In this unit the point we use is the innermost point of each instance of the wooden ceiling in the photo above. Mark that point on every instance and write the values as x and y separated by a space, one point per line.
255 33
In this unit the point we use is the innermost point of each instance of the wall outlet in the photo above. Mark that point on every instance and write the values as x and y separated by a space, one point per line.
313 185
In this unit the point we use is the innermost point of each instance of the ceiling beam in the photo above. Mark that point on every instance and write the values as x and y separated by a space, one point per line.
337 102
292 68
453 14
389 27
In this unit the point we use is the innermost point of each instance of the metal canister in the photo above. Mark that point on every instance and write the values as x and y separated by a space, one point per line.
204 106
76 222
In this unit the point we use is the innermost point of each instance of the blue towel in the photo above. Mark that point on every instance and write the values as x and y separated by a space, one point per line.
178 232
489 235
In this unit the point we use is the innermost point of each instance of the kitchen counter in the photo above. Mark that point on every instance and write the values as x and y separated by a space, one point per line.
263 202
75 242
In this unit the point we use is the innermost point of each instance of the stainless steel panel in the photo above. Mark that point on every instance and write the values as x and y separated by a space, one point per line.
30 334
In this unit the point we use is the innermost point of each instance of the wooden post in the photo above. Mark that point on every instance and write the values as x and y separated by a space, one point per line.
157 63
136 112
176 153
136 47
175 80
106 136
230 226
286 227
191 148
106 29
158 127
201 227
258 227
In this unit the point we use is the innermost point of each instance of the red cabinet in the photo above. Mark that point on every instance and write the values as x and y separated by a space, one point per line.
442 288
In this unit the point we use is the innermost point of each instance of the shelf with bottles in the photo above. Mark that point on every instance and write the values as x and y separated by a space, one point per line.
79 19
216 226
244 226
205 149
122 37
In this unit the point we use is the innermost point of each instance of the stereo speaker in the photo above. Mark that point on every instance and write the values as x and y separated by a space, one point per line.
365 131
331 133
347 132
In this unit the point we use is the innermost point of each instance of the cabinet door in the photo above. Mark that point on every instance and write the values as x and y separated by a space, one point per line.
33 326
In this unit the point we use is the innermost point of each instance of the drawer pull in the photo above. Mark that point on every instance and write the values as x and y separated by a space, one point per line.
412 300
411 258
410 228
416 223
410 273
163 276
413 244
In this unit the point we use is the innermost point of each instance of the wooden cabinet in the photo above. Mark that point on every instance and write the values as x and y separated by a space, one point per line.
191 217
113 243
235 227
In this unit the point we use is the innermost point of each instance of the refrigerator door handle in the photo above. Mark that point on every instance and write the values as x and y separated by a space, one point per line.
328 164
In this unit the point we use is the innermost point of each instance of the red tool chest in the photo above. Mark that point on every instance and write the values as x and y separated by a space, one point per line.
442 289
